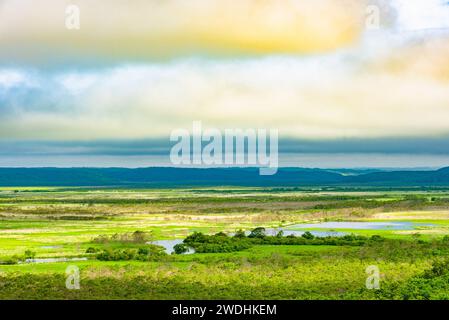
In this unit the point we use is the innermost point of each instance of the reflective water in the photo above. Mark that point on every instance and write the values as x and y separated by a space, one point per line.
287 231
390 225
50 260
332 227
169 244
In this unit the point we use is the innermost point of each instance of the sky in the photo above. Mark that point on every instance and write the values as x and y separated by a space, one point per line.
348 83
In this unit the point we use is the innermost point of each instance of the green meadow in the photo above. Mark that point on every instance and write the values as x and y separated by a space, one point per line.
99 227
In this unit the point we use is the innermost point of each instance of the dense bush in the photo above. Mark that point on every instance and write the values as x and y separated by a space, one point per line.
9 260
257 233
180 248
432 284
439 268
308 235
28 254
91 250
220 242
239 234
221 247
148 253
130 237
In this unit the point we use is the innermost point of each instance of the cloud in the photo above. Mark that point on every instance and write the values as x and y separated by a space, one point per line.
414 152
423 56
421 14
386 85
143 29
161 147
317 97
12 78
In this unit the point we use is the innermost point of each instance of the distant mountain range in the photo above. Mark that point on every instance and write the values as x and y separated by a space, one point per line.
166 177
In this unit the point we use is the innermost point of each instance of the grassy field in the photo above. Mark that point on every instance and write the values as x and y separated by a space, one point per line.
64 223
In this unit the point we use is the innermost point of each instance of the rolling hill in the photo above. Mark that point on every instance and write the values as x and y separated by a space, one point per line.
164 176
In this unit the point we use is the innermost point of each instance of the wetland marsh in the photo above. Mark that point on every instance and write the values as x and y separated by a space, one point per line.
59 227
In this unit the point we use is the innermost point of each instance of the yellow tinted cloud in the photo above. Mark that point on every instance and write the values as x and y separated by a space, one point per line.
426 58
318 97
149 28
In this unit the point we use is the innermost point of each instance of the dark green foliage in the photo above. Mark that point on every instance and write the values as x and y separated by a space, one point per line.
376 238
134 237
216 243
231 246
143 251
148 253
180 248
221 234
257 233
307 235
29 254
91 250
439 268
240 234
222 243
196 237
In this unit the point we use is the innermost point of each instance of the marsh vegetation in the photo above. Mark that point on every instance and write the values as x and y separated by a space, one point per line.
249 243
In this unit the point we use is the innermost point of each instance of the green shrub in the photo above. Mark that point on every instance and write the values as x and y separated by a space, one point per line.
29 254
433 284
439 268
307 235
240 234
280 234
143 251
10 260
129 237
221 234
149 253
91 250
180 248
257 233
195 237
377 238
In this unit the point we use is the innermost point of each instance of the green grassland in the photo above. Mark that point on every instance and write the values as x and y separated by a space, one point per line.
63 222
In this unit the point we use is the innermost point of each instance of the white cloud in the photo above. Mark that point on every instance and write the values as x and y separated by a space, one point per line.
389 85
317 97
11 78
422 14
77 82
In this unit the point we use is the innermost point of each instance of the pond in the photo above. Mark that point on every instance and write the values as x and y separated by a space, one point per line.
288 231
332 227
50 260
359 225
51 247
169 244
